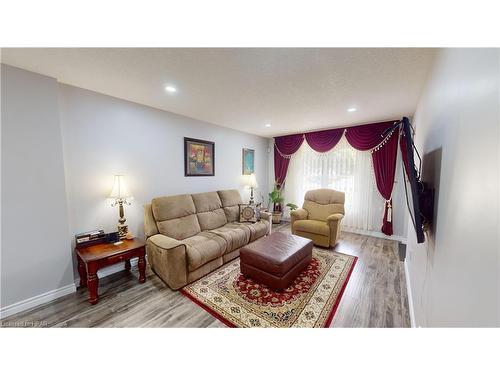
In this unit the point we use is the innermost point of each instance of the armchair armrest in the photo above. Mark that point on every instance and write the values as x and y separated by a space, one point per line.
333 222
334 217
167 256
299 214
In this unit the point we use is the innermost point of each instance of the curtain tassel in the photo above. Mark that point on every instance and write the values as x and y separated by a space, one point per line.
387 221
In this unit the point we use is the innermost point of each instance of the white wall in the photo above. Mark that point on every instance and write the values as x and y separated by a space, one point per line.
36 254
454 274
61 146
104 136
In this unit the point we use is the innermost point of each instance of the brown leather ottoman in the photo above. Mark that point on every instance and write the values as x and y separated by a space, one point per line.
276 260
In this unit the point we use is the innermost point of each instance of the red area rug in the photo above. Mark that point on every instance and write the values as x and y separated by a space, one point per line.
310 301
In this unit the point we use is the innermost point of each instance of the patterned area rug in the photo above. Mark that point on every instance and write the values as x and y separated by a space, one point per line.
310 301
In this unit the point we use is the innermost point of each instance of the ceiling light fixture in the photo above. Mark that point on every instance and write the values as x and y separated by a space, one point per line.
170 89
267 125
352 109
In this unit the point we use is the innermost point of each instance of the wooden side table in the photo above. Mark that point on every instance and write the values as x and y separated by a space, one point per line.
92 258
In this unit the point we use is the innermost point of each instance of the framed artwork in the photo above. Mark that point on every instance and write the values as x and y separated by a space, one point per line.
248 159
199 157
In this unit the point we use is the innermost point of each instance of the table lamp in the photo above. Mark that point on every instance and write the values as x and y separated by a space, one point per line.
252 183
120 194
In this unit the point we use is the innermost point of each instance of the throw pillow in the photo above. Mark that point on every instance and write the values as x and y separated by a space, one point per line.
249 213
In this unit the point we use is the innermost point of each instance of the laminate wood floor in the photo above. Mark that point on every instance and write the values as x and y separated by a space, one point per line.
375 296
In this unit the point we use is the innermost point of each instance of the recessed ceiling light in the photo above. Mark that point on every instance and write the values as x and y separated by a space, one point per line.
171 89
267 125
352 109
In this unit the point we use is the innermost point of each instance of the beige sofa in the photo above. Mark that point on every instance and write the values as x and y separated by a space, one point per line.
320 216
190 235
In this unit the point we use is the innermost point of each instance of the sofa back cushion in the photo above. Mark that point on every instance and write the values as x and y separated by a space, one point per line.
321 203
209 210
230 200
175 216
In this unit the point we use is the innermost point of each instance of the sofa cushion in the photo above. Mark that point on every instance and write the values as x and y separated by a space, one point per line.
180 228
230 200
230 197
206 201
257 230
312 226
209 210
232 213
203 248
235 235
212 219
175 216
172 207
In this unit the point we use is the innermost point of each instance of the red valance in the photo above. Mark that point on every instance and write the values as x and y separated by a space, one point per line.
367 137
324 140
373 137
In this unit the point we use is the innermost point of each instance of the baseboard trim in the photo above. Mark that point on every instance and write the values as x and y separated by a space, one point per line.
54 294
36 301
111 270
375 234
409 294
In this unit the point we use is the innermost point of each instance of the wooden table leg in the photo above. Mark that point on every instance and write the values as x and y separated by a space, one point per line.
142 269
127 265
93 285
83 272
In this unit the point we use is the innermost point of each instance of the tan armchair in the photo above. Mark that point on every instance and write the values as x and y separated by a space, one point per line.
320 216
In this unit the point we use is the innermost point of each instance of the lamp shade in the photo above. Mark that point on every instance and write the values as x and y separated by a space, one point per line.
252 181
120 189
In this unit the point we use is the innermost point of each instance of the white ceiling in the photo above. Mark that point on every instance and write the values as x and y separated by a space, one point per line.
294 89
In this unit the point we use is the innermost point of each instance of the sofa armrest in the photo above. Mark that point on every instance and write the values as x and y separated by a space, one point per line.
267 216
334 217
163 242
299 214
167 256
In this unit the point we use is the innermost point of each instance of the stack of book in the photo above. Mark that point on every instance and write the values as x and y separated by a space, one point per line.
88 238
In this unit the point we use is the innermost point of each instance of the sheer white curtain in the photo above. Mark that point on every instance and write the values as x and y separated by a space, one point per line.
344 169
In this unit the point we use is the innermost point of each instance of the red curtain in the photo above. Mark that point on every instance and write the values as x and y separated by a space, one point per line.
284 147
384 167
363 138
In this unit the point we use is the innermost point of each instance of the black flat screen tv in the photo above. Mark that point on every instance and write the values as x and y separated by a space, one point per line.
413 186
419 197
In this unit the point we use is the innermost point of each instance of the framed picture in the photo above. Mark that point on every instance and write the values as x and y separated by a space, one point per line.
248 159
199 157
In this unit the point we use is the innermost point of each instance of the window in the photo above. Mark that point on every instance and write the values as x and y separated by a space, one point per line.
343 169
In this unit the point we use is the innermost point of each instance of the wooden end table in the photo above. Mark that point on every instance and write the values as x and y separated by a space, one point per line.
92 258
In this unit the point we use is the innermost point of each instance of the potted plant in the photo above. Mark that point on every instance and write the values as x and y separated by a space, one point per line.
276 199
